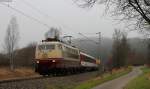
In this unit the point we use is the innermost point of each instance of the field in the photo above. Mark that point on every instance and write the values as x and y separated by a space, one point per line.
6 73
141 82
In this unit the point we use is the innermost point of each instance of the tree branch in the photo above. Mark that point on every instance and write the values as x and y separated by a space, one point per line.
140 10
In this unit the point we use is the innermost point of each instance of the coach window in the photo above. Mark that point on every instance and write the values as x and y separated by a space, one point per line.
75 52
69 50
72 51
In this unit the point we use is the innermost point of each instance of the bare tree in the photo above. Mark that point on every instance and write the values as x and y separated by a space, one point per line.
11 40
125 49
136 12
120 48
116 48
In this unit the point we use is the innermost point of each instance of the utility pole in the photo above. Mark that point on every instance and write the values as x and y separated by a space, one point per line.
99 45
101 68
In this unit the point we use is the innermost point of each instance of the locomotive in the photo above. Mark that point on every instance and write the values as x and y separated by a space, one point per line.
53 56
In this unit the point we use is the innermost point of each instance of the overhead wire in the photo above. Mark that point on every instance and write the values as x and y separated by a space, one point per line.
88 38
45 14
26 15
44 24
37 9
42 13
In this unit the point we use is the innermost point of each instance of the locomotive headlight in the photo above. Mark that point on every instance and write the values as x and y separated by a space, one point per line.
37 61
53 61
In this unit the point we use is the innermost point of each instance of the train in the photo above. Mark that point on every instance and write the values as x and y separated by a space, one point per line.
56 57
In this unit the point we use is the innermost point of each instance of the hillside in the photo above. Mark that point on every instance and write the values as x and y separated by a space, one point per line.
25 56
137 45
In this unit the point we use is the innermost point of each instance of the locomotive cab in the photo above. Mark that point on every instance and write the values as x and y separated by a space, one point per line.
48 51
47 56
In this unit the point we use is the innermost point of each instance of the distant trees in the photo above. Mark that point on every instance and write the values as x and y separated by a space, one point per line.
136 58
11 40
120 49
25 56
4 61
148 52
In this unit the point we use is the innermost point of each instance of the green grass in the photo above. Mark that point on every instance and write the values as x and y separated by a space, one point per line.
94 82
141 82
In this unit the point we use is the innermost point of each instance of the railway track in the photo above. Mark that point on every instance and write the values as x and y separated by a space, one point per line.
52 82
32 78
21 79
37 77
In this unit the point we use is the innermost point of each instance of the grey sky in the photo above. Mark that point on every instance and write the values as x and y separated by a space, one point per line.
63 14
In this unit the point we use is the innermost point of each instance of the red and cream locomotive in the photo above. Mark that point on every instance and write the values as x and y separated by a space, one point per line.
53 56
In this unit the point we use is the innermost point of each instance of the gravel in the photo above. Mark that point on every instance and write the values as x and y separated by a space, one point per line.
62 82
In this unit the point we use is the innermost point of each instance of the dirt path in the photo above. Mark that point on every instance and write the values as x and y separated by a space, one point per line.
120 82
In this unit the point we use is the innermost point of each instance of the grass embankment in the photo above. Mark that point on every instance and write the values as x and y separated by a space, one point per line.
99 80
141 82
85 80
6 73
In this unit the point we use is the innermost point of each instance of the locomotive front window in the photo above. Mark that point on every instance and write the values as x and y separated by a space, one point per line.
41 47
46 47
50 47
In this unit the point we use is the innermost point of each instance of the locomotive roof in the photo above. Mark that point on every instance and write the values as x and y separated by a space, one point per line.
57 42
87 55
50 42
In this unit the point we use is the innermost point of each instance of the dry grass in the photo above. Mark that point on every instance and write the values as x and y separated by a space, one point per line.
6 73
148 76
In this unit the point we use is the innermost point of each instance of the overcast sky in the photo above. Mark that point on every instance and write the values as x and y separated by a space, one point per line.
63 14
